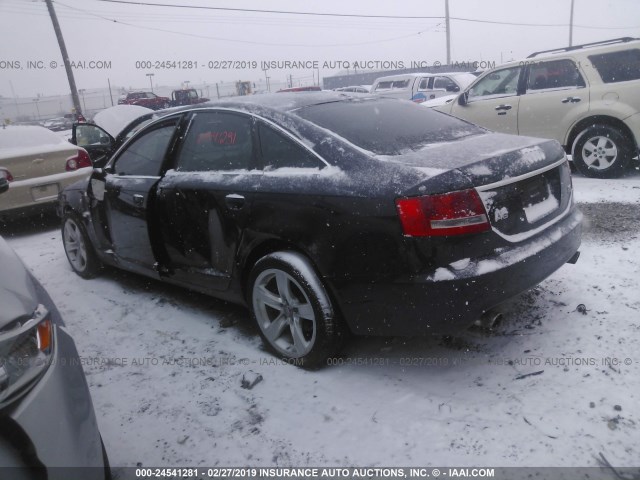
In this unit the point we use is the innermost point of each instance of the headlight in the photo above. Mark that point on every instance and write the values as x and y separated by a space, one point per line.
26 348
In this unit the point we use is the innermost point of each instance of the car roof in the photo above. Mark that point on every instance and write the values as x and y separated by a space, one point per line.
587 49
404 76
284 102
606 45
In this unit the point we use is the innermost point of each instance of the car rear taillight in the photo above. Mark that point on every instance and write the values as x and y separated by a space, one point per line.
454 213
79 160
4 173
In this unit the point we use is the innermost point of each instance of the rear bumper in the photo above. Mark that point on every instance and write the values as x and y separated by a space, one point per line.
39 191
447 300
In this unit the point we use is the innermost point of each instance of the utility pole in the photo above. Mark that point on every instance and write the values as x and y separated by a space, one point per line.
65 57
571 25
110 94
150 75
448 28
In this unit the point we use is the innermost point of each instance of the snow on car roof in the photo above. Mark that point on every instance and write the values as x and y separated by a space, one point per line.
284 101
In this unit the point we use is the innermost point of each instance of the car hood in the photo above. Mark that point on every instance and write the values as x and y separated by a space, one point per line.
436 102
113 120
18 293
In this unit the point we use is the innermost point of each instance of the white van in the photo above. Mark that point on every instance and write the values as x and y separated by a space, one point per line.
421 87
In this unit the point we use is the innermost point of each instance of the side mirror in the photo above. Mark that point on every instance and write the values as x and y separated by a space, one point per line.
463 99
452 88
4 184
99 163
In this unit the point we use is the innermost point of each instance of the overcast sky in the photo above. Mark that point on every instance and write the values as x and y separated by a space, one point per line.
123 34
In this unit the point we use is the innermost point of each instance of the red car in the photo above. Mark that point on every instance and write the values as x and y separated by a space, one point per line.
145 99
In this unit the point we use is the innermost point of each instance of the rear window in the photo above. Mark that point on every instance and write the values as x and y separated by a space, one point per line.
386 126
28 136
617 66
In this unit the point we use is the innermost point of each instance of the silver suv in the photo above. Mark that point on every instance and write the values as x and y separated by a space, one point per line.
587 97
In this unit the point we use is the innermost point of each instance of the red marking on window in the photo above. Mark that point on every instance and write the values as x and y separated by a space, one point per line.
221 138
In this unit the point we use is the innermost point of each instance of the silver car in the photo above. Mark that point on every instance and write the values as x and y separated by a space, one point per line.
38 165
48 427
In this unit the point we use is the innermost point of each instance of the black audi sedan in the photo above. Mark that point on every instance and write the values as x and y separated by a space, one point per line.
327 214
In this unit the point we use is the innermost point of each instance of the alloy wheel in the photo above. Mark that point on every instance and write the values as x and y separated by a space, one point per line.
284 313
74 245
599 152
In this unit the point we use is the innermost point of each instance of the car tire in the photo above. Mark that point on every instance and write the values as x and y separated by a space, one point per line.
601 151
295 315
78 247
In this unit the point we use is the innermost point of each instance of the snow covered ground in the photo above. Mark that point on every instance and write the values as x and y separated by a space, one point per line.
555 384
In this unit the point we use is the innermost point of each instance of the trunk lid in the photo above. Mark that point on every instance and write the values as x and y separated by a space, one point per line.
37 162
31 152
523 182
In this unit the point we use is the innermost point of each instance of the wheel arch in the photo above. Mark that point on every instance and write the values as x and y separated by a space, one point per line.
259 250
273 245
597 120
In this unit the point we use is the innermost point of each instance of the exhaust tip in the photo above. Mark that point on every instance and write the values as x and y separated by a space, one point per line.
574 259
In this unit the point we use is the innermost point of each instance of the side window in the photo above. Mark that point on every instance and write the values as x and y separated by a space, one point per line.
384 85
501 82
618 66
145 155
424 84
554 74
217 141
88 134
400 84
443 83
280 152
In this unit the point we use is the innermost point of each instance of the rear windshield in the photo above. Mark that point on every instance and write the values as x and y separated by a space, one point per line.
618 66
28 136
386 126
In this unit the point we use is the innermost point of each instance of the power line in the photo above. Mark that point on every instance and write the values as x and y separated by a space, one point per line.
283 12
354 15
163 30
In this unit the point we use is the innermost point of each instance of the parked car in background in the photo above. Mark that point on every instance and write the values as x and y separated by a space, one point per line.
48 427
587 97
352 89
300 89
58 124
186 96
75 117
109 128
145 99
38 164
323 212
420 87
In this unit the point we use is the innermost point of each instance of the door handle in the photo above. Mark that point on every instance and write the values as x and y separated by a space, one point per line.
138 200
503 107
234 201
571 99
